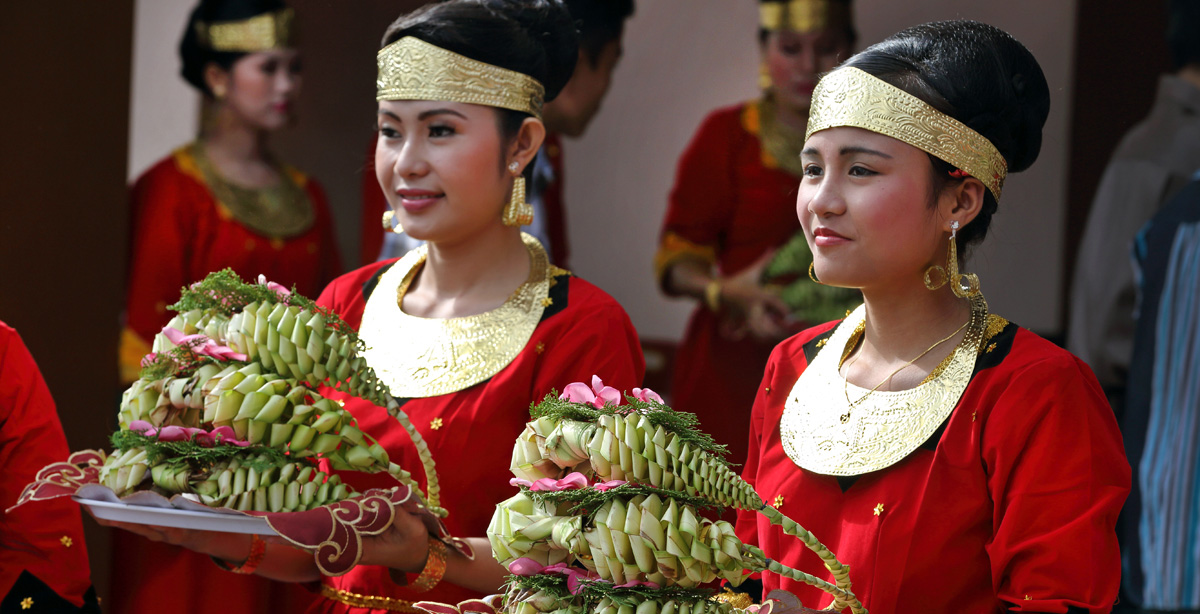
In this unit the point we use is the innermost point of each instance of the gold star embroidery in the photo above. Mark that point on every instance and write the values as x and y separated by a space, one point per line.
435 424
66 541
974 414
277 244
541 347
991 347
878 509
768 390
27 603
1028 598
778 501
546 302
821 343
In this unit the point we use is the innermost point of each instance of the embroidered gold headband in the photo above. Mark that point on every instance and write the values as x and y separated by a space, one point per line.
802 15
412 69
259 33
851 97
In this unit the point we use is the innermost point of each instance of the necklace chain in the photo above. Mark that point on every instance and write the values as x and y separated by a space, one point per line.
846 385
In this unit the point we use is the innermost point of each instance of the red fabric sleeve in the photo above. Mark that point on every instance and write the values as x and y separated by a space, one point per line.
1058 476
43 537
162 213
702 199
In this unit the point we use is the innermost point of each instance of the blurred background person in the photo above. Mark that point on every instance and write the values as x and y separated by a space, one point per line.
1161 423
1154 161
43 557
732 206
601 25
224 200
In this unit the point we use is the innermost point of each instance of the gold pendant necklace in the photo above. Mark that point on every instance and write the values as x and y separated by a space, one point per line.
845 382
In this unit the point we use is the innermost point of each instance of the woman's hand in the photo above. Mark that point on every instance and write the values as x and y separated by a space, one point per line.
404 546
754 308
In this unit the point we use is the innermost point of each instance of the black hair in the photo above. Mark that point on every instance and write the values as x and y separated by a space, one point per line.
600 22
977 74
1183 32
850 33
532 37
195 56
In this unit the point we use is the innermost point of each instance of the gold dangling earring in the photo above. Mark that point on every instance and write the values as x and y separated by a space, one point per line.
811 276
389 223
963 285
764 76
517 212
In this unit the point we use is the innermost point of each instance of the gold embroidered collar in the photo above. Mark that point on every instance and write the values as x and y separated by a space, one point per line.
282 211
886 426
427 357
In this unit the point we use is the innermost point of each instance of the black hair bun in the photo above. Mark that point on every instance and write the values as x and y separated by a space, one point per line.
550 27
974 72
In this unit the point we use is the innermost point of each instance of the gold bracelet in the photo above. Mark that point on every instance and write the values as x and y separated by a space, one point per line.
435 567
258 550
712 295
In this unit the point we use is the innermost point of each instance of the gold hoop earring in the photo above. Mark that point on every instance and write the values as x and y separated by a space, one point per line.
764 76
811 267
389 222
963 285
218 92
517 212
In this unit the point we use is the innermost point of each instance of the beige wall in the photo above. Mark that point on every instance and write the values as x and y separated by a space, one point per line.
686 57
682 59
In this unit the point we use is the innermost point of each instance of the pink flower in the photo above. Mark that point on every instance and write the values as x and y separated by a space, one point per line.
603 486
221 434
647 395
573 481
149 359
597 396
280 291
202 345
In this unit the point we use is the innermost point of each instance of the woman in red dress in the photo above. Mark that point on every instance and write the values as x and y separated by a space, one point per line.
732 208
473 328
43 558
221 201
953 460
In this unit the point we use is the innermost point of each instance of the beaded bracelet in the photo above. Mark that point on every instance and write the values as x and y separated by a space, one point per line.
435 568
258 550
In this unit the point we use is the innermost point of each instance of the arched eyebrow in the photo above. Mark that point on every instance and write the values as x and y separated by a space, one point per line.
424 114
846 151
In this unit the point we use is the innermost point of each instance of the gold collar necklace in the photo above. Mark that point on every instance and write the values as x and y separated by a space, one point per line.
426 357
884 426
277 212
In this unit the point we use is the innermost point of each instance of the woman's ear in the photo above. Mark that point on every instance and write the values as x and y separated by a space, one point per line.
529 140
217 80
962 202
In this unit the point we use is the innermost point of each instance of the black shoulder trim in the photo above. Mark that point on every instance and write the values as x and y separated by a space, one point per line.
846 481
815 344
369 286
30 590
749 586
996 349
559 290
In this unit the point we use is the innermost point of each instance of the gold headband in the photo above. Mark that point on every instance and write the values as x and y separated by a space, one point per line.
412 69
259 33
851 97
802 15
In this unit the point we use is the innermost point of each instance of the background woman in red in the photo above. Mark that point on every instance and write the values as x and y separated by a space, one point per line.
221 201
731 208
953 460
475 326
